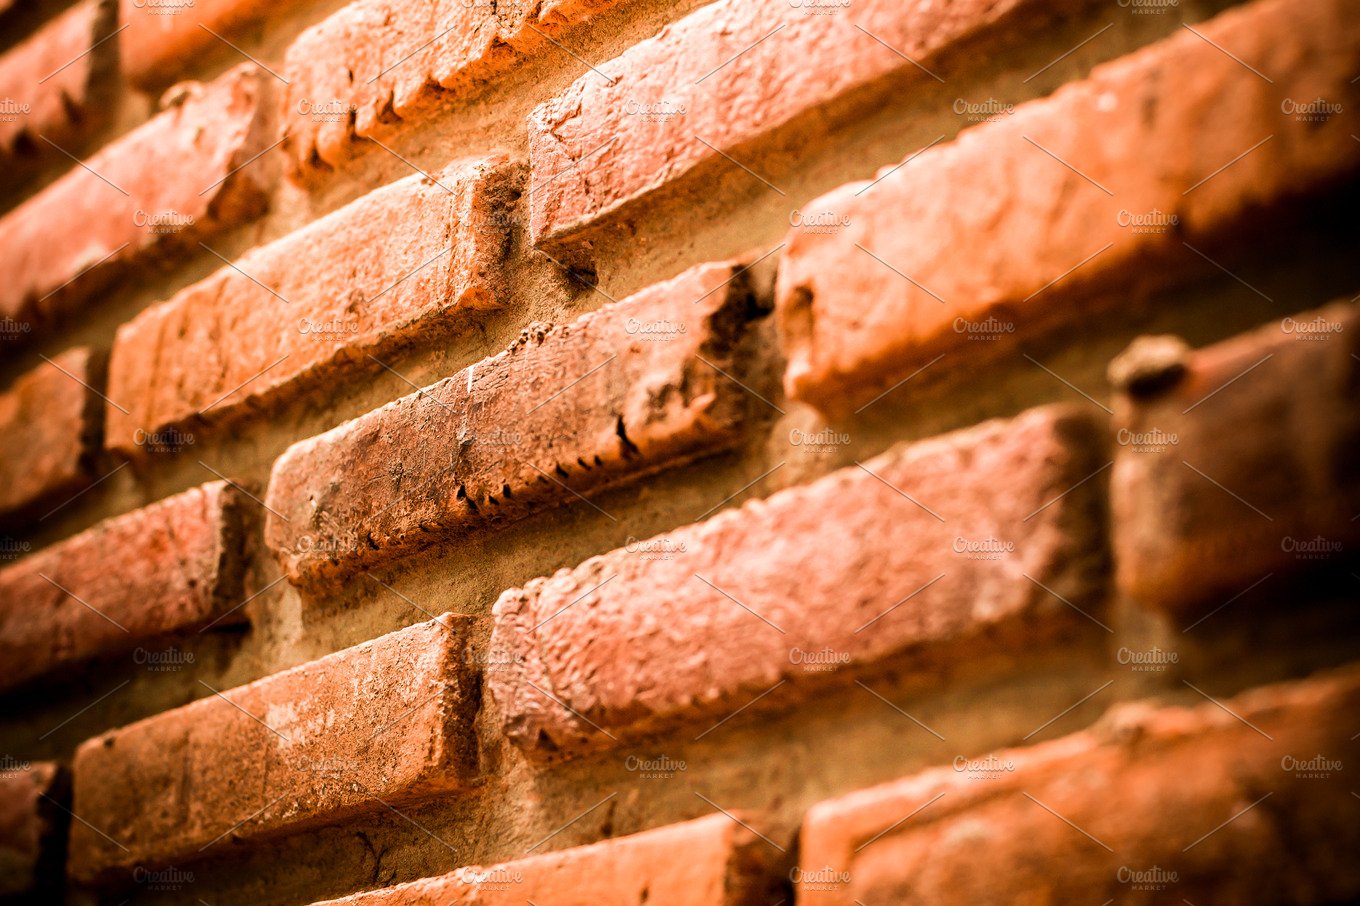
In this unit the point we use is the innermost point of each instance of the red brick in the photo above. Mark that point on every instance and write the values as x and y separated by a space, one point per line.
608 398
819 563
374 61
599 154
167 567
1167 792
315 304
711 861
31 828
991 224
54 81
164 39
1238 460
381 724
176 164
47 424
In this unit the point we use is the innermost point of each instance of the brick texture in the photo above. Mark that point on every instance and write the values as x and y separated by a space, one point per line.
369 727
1200 514
165 38
1025 218
32 825
309 307
167 567
589 652
1129 811
565 411
162 188
723 864
48 420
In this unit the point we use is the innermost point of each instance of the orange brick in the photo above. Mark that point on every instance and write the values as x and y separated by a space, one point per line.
32 827
165 38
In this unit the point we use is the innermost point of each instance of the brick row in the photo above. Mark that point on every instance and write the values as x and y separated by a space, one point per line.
868 564
1236 461
32 828
161 189
372 61
672 111
317 303
1245 803
620 392
168 567
49 421
164 39
358 731
1102 184
711 861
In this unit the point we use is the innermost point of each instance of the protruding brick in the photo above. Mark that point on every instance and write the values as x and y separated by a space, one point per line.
1102 185
162 188
373 61
1238 461
970 534
32 829
617 394
316 304
1246 803
711 861
168 567
164 39
47 424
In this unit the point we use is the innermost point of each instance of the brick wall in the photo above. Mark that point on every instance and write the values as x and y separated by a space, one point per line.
708 452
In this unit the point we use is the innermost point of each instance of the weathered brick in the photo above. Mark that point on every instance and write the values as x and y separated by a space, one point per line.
158 190
1238 460
368 728
711 861
1032 217
47 424
32 825
317 303
608 398
1243 804
52 85
823 569
164 39
657 121
167 567
371 62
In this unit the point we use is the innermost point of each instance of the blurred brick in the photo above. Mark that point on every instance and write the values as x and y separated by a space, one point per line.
993 225
812 581
608 398
316 304
1157 805
164 39
371 727
32 829
1245 461
167 567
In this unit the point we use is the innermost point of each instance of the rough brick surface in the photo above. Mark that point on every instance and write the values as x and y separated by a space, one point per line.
162 187
1239 460
711 861
723 76
565 411
813 571
1157 805
167 567
31 828
165 38
369 727
54 82
992 223
372 61
47 420
303 309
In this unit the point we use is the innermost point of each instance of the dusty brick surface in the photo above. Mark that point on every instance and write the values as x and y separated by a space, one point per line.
47 422
159 189
625 643
565 411
1195 804
165 38
1242 461
379 724
317 303
30 828
167 567
991 224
